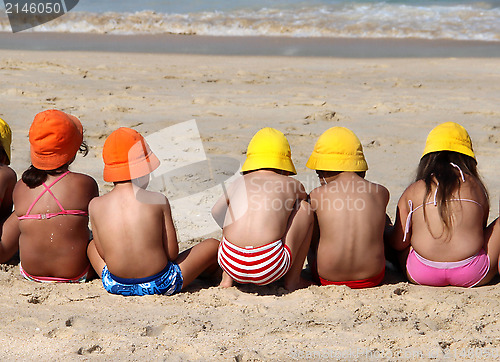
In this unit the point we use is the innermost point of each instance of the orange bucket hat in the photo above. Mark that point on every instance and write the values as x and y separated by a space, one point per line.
127 156
55 137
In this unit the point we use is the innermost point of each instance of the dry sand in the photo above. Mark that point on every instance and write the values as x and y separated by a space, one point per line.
391 104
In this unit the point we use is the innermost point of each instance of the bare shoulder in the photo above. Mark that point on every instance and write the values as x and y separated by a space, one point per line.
415 188
477 188
297 188
7 174
99 201
83 178
95 203
155 202
415 191
380 190
148 201
315 193
19 188
85 184
474 182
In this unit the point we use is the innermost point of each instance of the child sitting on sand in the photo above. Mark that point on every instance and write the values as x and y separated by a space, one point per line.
135 248
348 246
441 217
50 222
8 177
266 221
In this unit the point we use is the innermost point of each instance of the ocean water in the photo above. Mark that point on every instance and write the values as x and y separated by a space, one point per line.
428 19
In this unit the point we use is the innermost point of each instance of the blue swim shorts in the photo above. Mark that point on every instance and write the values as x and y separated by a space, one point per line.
168 281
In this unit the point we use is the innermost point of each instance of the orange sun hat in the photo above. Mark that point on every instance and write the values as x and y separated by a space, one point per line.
127 156
54 137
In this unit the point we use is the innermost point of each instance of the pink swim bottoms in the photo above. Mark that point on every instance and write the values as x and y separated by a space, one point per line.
464 273
82 278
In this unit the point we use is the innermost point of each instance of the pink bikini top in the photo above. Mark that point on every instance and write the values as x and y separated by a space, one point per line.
51 214
412 210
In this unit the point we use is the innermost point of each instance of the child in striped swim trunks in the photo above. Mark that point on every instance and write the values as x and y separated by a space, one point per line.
266 220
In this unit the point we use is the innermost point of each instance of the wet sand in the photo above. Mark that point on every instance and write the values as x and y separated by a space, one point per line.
250 46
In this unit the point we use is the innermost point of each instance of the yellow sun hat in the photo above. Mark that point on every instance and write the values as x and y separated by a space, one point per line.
269 148
338 149
5 137
449 136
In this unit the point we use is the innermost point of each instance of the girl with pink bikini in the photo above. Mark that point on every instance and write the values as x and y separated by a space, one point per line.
50 222
441 218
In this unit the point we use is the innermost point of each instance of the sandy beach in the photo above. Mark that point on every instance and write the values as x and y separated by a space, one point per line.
391 103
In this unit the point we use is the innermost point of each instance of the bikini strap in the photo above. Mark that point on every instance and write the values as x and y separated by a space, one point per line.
58 178
437 186
410 203
459 169
408 220
47 189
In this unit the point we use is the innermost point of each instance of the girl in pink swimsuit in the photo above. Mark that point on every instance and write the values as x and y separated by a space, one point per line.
440 226
50 222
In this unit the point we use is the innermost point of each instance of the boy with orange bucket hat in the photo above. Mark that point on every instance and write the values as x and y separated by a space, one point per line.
50 222
348 247
135 248
265 219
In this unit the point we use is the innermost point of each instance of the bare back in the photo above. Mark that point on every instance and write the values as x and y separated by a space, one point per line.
469 217
133 233
8 180
260 205
351 216
55 246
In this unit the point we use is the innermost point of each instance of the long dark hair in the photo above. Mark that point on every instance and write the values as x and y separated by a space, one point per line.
34 177
439 166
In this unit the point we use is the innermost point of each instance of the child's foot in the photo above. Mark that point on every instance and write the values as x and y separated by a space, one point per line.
226 282
301 283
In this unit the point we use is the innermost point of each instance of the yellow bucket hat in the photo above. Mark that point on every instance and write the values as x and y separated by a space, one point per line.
338 149
269 148
449 136
5 137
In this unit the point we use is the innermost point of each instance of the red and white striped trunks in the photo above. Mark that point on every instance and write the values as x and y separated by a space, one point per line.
257 265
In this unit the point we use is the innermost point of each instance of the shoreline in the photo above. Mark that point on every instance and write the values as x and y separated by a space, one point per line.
251 46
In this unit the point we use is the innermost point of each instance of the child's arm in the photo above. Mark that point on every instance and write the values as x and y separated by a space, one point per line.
8 181
10 238
171 244
394 235
95 251
220 208
486 210
301 192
